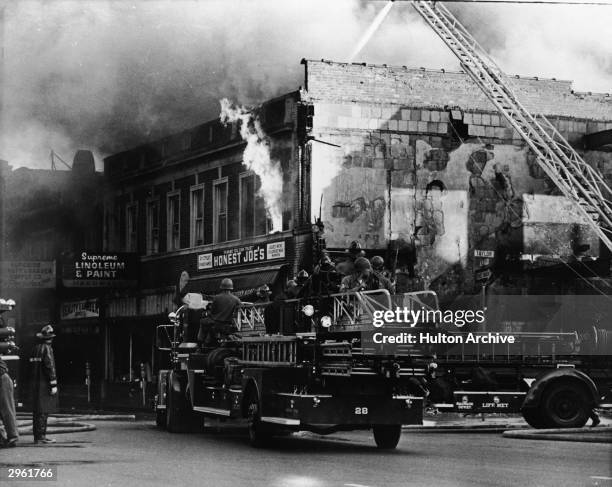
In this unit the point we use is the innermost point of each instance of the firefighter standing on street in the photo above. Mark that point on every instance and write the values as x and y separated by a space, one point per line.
219 322
7 403
44 384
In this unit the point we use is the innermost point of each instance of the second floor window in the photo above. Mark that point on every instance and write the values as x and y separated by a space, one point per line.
220 211
197 216
131 227
174 225
253 219
152 227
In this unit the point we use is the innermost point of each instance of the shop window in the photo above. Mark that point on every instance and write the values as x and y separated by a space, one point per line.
220 210
131 227
197 215
174 221
253 218
153 227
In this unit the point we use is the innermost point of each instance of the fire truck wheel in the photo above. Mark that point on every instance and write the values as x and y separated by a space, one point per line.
178 413
387 436
160 418
565 405
533 417
258 435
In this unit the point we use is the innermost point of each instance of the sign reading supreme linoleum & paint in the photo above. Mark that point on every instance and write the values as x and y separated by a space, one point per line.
101 269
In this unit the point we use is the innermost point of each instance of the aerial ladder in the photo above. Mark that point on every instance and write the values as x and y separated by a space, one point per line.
576 180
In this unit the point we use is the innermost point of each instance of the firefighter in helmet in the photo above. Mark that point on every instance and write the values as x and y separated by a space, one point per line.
304 284
219 322
364 278
378 266
44 384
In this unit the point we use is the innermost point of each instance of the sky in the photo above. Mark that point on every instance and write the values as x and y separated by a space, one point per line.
110 75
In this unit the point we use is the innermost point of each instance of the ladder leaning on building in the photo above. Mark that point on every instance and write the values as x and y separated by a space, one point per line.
578 181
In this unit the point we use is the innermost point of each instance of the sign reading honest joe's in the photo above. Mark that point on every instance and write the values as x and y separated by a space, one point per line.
247 254
100 269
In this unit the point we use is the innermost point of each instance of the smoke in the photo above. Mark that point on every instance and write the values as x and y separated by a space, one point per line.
108 75
380 17
256 157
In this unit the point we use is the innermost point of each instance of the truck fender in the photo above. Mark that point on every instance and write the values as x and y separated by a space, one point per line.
534 395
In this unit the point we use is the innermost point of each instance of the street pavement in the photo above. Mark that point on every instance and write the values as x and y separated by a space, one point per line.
138 454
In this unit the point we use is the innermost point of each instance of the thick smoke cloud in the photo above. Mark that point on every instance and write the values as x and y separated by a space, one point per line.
110 75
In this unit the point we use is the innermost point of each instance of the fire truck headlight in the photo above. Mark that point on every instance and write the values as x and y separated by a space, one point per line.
308 310
326 321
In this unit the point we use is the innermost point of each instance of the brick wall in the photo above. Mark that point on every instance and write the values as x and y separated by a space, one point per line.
343 82
447 180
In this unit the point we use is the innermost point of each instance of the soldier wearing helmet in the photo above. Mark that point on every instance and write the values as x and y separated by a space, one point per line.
304 284
263 294
219 322
378 265
364 278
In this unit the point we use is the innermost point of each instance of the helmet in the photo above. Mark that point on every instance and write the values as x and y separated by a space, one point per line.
263 290
227 284
361 264
355 247
378 262
46 333
302 276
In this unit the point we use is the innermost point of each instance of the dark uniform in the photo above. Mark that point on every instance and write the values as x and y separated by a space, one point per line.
7 405
44 384
219 321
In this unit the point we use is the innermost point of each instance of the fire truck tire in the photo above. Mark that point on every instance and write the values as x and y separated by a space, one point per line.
387 436
565 405
533 417
178 413
160 418
259 436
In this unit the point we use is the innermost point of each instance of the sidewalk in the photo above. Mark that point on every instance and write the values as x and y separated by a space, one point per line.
458 422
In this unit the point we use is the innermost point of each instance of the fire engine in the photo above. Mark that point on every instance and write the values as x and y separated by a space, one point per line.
319 374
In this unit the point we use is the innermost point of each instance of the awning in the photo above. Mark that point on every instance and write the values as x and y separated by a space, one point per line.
245 285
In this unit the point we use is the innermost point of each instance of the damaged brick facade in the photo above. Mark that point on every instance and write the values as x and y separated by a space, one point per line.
424 161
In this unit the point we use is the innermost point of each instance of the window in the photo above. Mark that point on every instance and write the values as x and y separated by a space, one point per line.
131 227
220 210
253 220
173 219
197 215
186 141
153 227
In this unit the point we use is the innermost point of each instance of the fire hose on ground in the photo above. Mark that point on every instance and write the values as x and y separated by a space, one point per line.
68 423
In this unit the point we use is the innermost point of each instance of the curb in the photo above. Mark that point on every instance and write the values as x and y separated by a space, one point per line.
587 435
463 428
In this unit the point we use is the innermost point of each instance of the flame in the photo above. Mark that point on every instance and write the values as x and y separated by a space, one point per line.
256 157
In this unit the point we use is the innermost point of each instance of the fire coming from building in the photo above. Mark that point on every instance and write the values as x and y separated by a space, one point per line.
256 157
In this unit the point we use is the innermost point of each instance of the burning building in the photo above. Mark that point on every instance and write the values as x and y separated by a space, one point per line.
416 165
